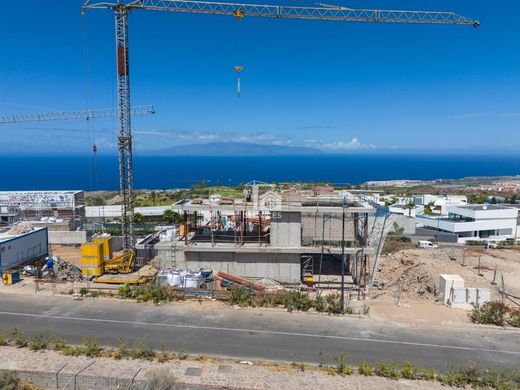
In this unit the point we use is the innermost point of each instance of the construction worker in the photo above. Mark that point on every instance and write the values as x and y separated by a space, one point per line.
49 266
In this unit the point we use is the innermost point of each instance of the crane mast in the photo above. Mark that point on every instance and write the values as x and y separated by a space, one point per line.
126 176
238 10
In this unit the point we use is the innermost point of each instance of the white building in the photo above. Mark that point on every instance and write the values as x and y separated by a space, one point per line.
475 222
16 250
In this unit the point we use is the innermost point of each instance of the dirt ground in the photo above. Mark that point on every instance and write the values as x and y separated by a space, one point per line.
67 252
407 281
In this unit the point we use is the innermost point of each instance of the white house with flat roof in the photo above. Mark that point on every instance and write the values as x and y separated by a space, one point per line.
475 222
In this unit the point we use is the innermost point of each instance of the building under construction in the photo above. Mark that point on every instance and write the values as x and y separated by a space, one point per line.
281 235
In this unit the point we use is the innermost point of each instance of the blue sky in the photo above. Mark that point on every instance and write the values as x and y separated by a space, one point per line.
336 86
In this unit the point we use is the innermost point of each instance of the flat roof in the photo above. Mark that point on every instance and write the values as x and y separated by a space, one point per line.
484 207
6 237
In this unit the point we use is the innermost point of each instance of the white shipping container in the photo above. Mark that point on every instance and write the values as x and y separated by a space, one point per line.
25 248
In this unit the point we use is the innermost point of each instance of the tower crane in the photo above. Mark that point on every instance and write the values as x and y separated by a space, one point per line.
73 115
122 8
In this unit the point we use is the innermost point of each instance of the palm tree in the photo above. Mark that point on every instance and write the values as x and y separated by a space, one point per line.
138 217
409 206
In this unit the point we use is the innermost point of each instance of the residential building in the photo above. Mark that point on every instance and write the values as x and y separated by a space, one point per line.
475 222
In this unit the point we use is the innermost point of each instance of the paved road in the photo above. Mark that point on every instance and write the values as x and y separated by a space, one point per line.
259 334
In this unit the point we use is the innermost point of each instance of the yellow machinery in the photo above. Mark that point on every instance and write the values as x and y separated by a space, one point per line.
10 277
92 260
123 264
106 241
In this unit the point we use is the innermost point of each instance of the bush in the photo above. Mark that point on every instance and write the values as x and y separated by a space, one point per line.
297 300
3 338
19 337
91 347
514 319
181 354
341 366
387 369
125 291
9 380
492 313
427 374
409 370
94 294
365 368
161 379
83 291
140 350
241 296
122 350
334 304
38 341
57 343
319 304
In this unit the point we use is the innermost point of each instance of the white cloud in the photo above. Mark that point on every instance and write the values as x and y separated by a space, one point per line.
340 146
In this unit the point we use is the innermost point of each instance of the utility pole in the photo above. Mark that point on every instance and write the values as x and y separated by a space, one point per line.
343 205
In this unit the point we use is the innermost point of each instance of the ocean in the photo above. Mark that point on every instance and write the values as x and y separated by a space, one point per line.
164 172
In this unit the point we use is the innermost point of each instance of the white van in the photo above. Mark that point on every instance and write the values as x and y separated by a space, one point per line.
427 245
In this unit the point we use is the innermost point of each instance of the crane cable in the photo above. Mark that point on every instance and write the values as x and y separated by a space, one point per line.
91 130
239 48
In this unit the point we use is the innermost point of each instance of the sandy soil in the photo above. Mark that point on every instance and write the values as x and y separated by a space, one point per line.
71 254
408 282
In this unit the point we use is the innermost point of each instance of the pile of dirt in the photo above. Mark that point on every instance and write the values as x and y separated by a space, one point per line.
20 228
405 273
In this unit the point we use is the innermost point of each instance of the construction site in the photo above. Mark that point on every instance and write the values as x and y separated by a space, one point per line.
330 240
221 274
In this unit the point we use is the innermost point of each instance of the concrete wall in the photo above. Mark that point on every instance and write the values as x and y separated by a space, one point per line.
312 227
405 222
281 267
67 238
285 229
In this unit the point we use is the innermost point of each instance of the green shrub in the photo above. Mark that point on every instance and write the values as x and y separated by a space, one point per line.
334 304
297 300
125 291
19 338
319 304
122 350
387 369
94 294
453 377
9 380
91 347
409 370
365 368
69 350
140 350
514 319
38 341
492 313
3 338
427 374
241 296
341 367
57 343
83 291
366 309
181 354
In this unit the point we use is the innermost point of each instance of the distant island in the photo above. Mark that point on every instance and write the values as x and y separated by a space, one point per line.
234 149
